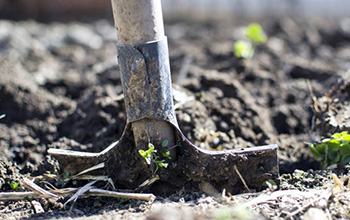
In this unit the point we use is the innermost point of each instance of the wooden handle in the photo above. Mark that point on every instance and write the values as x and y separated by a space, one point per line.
138 21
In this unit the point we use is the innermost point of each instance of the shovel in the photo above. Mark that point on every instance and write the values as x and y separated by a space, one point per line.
174 163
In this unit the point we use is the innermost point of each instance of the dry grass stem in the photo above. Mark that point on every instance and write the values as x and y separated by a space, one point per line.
96 167
148 182
80 192
33 187
241 177
139 196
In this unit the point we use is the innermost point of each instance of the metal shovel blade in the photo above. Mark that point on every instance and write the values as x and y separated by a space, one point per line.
233 170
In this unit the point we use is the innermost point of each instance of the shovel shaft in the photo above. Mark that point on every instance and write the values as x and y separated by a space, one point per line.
138 22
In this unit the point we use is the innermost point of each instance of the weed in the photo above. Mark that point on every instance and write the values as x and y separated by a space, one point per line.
150 155
243 49
147 155
333 150
14 185
254 35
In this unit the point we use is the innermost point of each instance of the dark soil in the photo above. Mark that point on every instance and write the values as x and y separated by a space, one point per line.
60 87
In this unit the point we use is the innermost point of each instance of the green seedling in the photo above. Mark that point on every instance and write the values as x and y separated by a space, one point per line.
165 143
147 155
14 185
334 150
243 49
254 35
150 155
166 154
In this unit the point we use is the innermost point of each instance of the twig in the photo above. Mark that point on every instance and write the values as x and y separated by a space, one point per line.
241 177
312 94
96 167
148 182
15 196
139 196
48 185
32 186
81 191
46 176
99 178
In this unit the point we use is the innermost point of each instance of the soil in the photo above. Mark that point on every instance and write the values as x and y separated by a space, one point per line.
60 87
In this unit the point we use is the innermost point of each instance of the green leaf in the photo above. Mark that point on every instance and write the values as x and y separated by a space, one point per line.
346 138
166 154
333 144
272 182
165 143
322 148
345 159
343 133
147 155
142 153
150 148
255 33
14 185
162 164
344 149
337 135
317 155
325 162
243 49
333 157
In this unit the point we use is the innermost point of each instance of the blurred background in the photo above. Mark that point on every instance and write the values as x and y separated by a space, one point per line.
85 10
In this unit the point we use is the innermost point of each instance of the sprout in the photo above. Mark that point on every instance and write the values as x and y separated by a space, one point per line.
255 33
14 185
150 156
243 49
